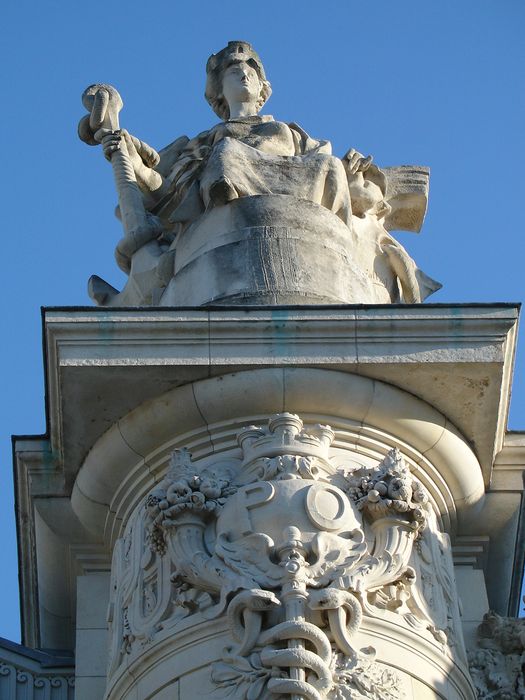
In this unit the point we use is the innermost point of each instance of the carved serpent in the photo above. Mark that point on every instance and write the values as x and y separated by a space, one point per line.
318 661
245 623
288 686
248 605
344 614
299 630
300 658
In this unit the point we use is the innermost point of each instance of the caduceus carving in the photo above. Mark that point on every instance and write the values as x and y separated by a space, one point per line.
293 580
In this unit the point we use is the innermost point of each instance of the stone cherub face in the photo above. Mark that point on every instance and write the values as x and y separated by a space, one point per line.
236 75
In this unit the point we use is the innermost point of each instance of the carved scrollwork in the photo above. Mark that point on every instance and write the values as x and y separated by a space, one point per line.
244 677
18 683
247 678
287 467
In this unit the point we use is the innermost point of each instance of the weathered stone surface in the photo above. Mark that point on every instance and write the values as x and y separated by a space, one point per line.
262 498
254 210
456 358
129 388
496 664
291 559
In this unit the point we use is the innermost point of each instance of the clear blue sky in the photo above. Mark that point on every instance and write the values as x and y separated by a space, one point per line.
436 83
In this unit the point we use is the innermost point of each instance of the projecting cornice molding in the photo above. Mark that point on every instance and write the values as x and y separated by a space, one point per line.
457 358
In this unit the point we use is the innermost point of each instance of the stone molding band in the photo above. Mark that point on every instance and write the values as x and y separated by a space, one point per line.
376 415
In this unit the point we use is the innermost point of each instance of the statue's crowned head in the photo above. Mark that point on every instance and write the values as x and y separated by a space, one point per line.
236 52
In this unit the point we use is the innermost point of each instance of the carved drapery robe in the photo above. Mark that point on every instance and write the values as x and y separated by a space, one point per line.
255 156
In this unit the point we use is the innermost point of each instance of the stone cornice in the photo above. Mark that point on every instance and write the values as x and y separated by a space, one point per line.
509 465
458 358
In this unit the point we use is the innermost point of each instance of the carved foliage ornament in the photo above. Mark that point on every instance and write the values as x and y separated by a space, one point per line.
280 544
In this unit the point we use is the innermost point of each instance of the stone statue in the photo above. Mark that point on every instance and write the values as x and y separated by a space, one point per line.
254 210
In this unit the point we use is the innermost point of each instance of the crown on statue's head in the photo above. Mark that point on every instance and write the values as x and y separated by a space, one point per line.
235 51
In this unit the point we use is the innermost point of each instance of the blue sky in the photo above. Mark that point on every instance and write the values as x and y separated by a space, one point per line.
436 83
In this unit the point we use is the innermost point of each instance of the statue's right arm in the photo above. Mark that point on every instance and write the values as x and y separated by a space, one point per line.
141 163
143 158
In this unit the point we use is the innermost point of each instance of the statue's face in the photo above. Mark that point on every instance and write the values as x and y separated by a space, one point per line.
240 83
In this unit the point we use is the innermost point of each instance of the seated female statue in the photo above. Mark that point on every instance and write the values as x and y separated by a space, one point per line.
246 154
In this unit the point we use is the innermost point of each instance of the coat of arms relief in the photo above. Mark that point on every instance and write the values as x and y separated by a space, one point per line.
294 553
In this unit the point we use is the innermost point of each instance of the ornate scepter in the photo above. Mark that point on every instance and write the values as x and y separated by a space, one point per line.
104 103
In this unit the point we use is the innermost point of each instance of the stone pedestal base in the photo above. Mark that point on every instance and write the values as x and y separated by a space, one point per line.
265 505
301 555
297 253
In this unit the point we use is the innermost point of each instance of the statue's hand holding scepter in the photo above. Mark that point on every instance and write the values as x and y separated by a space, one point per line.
104 103
133 162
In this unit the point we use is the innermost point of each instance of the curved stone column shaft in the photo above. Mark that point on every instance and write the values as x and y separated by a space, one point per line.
303 554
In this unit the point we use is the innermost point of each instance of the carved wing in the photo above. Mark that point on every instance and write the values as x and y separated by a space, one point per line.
335 555
250 556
